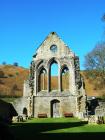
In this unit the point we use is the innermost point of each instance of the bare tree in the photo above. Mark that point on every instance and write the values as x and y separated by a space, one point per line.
103 20
103 17
95 60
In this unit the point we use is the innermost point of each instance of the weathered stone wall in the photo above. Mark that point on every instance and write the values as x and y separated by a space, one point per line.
43 52
68 100
26 89
20 103
43 105
100 110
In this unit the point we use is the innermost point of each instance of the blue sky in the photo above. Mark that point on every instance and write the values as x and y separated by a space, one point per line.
24 24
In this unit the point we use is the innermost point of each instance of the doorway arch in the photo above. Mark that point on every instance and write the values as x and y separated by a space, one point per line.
25 112
55 105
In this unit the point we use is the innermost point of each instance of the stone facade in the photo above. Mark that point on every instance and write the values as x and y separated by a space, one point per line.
42 98
100 109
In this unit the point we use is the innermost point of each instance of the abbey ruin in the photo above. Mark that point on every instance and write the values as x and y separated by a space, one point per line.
54 95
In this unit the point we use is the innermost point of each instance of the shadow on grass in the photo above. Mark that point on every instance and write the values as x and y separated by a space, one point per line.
71 136
35 131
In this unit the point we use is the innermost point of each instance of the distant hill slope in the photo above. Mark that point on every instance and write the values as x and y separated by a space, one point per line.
92 86
12 79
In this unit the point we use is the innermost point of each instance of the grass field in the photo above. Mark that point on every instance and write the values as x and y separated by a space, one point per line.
56 128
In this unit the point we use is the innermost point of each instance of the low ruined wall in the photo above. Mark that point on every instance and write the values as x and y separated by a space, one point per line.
43 105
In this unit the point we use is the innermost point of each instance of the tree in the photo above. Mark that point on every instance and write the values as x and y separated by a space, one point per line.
4 63
95 61
2 74
16 64
15 87
103 17
103 20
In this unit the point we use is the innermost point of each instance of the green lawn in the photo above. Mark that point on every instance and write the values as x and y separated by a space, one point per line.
56 128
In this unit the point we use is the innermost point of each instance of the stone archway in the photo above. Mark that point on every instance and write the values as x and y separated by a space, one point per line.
55 105
25 111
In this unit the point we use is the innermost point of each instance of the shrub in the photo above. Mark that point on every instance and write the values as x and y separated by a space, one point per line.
10 75
15 87
1 82
1 74
15 64
4 63
17 73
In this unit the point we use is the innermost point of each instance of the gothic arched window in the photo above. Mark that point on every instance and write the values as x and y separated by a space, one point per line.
65 79
42 80
53 76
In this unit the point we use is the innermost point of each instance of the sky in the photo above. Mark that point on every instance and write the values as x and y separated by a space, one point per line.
24 24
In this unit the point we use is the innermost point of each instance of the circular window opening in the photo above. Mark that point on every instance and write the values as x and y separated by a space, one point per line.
53 48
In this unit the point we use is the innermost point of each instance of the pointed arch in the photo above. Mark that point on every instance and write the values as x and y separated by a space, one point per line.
65 78
42 79
55 108
52 60
40 62
53 74
25 112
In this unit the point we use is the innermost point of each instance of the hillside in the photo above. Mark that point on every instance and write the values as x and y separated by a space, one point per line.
92 86
12 79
